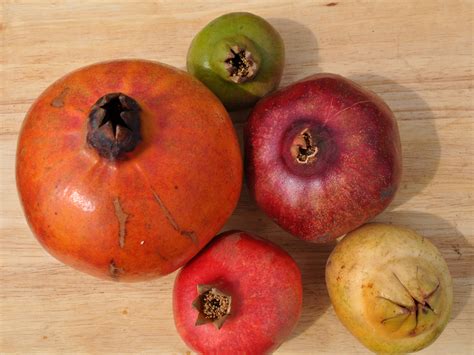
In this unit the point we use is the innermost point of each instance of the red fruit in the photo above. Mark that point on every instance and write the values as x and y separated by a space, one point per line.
116 164
241 294
323 156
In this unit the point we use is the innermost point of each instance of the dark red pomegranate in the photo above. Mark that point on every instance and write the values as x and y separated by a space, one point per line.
323 156
239 295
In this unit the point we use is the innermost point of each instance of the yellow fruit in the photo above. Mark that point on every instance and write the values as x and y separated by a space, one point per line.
390 287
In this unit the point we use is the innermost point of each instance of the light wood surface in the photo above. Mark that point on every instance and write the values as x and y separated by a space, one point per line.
416 54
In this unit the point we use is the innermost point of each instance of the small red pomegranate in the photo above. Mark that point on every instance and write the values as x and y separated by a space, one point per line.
126 169
240 295
323 156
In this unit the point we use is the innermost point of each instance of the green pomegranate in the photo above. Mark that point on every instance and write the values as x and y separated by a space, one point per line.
390 287
239 56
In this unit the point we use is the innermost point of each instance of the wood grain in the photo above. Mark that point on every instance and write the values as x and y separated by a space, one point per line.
416 54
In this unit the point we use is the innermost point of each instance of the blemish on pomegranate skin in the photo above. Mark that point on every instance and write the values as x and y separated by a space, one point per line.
166 211
331 4
122 219
115 271
58 101
387 193
191 235
125 312
45 337
162 256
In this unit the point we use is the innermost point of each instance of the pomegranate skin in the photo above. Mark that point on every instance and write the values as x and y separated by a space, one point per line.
264 283
350 175
148 212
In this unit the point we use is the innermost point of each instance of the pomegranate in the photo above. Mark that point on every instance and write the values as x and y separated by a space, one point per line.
239 56
323 156
390 287
116 166
239 295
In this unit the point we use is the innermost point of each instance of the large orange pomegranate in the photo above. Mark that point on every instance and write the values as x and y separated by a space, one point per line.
126 169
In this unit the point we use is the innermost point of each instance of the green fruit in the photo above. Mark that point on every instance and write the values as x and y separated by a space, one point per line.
239 56
390 287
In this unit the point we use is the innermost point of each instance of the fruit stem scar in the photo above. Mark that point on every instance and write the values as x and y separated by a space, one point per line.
240 65
213 305
303 148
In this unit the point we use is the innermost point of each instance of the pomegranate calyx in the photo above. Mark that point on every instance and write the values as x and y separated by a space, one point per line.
240 64
303 148
213 305
114 125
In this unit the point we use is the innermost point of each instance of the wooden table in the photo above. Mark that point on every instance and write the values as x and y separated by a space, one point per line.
416 54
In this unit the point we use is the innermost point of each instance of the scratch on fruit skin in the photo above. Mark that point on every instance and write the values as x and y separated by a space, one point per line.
165 210
191 235
115 271
122 219
349 107
162 256
58 101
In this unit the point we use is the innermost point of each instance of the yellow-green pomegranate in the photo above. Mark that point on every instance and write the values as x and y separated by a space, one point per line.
390 287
